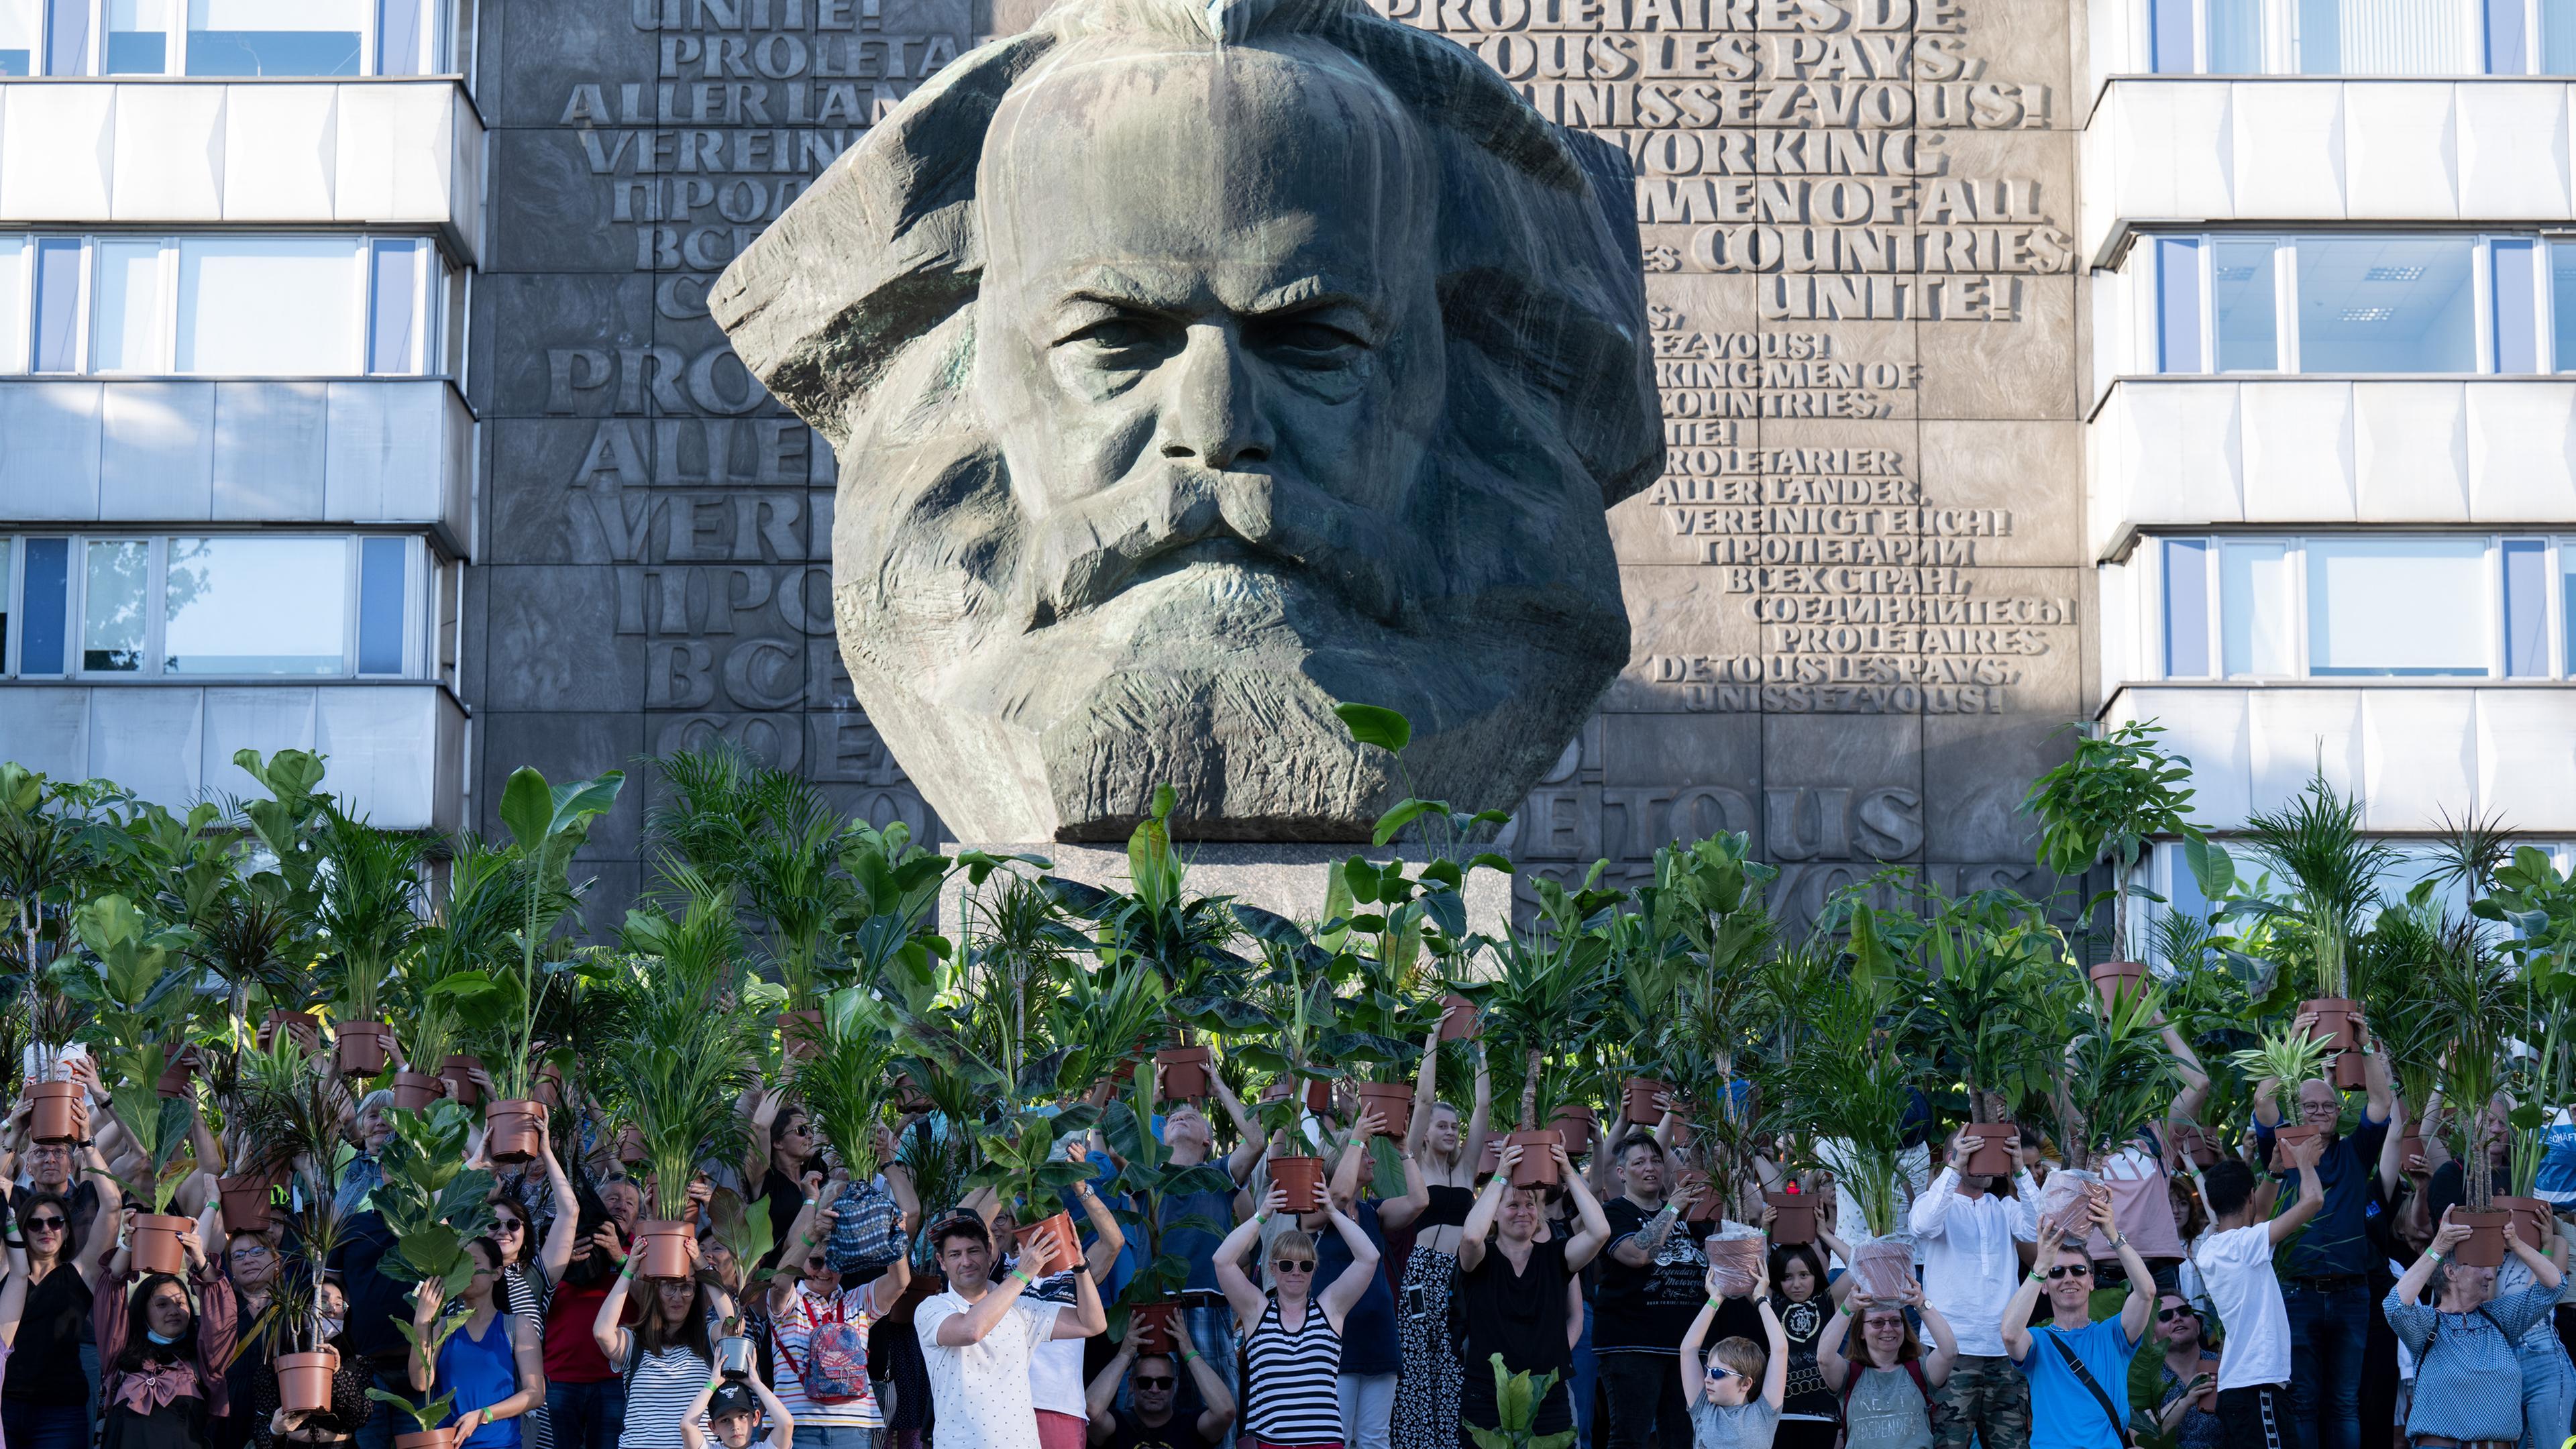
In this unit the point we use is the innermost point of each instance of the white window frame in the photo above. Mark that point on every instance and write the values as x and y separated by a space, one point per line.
2286 358
421 570
442 24
2556 552
2277 40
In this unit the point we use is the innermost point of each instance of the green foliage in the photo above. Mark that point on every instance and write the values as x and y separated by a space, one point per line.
548 824
1852 1078
369 909
1025 1158
1517 1398
1989 959
681 1049
1444 832
158 1126
844 1082
2316 842
2116 792
2286 1056
432 1202
2119 1075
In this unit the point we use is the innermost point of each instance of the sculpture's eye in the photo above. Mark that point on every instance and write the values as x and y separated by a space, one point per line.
1311 341
1124 341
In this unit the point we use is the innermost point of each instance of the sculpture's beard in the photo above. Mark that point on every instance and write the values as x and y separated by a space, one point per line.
1038 676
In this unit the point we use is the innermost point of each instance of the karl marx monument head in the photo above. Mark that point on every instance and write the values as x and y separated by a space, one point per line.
1191 369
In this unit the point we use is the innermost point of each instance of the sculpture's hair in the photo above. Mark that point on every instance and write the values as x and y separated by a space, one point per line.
1542 276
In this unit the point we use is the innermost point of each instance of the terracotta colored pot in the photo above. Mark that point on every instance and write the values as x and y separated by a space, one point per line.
1393 1103
1698 1199
462 1089
1738 1263
304 1379
55 1113
2115 979
1538 1158
515 1129
663 1248
1319 1094
2350 1071
1187 1072
1637 1100
1489 1158
2334 1021
249 1201
173 1081
1885 1267
2484 1247
1155 1327
1053 1239
416 1090
361 1048
304 1026
1302 1178
2192 1141
156 1243
801 1033
1794 1217
2282 1138
1575 1126
2410 1150
1992 1148
630 1144
2532 1219
426 1439
1459 1022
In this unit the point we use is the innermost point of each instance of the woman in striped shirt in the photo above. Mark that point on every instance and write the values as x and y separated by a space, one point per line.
1292 1336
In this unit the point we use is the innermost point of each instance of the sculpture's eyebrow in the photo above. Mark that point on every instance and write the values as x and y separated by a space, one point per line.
1124 290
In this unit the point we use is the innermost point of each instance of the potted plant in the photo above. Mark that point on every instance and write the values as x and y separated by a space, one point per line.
844 1082
1024 1163
2286 1057
679 1059
2333 870
158 1127
432 1202
1147 1180
2115 793
428 1037
139 998
2119 1076
1547 994
1988 956
1291 1009
368 913
289 1111
1517 1398
2483 1004
1852 1081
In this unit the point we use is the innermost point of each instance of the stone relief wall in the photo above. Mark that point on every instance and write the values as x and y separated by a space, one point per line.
1854 595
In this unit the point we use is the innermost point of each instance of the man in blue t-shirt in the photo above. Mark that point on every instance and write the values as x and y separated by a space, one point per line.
2078 1369
2325 1275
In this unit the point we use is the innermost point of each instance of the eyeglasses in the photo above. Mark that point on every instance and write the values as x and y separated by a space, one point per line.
47 1225
1720 1371
1156 1381
2168 1315
507 1225
2071 1270
1293 1265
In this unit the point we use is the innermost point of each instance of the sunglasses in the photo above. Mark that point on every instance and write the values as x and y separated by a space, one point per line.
48 1225
2168 1315
2071 1270
507 1225
1155 1381
1293 1265
1721 1373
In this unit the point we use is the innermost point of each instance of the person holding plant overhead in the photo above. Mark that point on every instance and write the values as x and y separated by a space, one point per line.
1971 1266
2468 1377
46 1404
977 1336
163 1360
2078 1369
1736 1392
1649 1289
669 1352
2325 1280
1887 1386
2235 1265
1512 1291
1425 1413
1292 1335
490 1363
818 1332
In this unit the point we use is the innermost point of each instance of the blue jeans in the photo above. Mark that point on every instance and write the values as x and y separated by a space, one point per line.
586 1416
387 1421
851 1436
2327 1331
1587 1372
49 1426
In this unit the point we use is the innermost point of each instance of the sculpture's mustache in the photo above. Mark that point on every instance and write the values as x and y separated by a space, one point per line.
1083 553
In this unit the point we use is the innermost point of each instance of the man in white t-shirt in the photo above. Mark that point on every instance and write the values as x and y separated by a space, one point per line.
976 1338
2234 1259
819 1342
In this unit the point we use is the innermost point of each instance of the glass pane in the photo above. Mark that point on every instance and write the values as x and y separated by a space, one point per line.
381 593
22 35
13 304
2505 51
2254 608
229 318
256 606
127 282
2170 36
275 37
2177 305
138 37
2526 608
58 312
67 37
2516 289
2241 283
2235 37
48 581
112 620
2558 37
2367 609
2187 608
2562 304
398 38
2566 597
393 287
2386 304
2382 37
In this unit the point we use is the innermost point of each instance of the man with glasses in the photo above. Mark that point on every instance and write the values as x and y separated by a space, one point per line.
2078 1369
1153 1382
2235 1262
1970 1268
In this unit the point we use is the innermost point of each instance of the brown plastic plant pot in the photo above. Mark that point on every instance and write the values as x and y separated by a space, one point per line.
1538 1158
2115 979
1302 1179
249 1201
662 1248
515 1129
2335 1026
1637 1100
173 1081
1489 1158
2193 1141
426 1439
53 1113
2283 1137
458 1073
1738 1263
1575 1126
304 1379
2485 1246
2410 1156
1884 1266
1458 1022
2533 1219
304 1026
1696 1198
414 1091
1793 1218
2350 1072
361 1048
1155 1327
1187 1072
630 1144
545 1088
1052 1239
156 1243
1319 1095
1992 1148
801 1033
1393 1103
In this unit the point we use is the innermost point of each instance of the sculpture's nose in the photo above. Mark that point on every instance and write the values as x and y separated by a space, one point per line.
1212 415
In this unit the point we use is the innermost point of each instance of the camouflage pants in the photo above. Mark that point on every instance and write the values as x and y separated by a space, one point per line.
1986 1400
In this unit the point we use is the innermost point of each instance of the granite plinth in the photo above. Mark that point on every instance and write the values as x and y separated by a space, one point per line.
1287 878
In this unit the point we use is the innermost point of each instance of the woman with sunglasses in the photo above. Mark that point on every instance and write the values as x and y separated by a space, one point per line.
1292 1335
1888 1384
529 1273
2187 1402
47 1402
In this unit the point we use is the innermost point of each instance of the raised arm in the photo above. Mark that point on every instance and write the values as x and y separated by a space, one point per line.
555 1257
2446 1240
1399 1213
1587 1241
2312 1193
755 1142
1426 1093
2374 1075
2139 1308
1480 1217
1107 1238
958 1330
1829 1343
13 1294
605 1329
1351 1282
1101 1393
1087 1316
1692 1339
898 1178
426 1299
1218 1400
2194 1093
1945 1344
1775 1374
1354 1156
2544 1268
1246 1127
2016 1324
1480 1116
1245 1295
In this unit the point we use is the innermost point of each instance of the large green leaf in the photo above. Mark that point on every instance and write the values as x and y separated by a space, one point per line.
1376 725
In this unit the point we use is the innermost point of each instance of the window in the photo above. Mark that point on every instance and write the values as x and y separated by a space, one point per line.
219 606
22 36
2206 37
2359 305
138 37
2362 37
232 306
276 37
285 38
2425 606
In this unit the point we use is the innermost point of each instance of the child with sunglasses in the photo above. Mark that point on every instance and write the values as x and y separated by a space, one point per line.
1734 1397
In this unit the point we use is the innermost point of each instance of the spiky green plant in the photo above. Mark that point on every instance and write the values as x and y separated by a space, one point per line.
2316 842
1517 1398
2119 1075
2285 1056
369 909
1853 1079
845 1080
683 1047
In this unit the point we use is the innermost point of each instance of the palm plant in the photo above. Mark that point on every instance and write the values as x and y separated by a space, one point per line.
2316 842
289 1112
2118 1077
681 1051
369 908
1988 957
1551 984
2285 1057
2480 999
1147 1180
1852 1079
548 823
844 1082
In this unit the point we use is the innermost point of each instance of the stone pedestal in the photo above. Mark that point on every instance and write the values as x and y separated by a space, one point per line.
1288 879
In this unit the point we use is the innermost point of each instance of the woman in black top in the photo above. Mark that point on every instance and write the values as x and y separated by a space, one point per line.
272 1427
1425 1415
1810 1416
785 1148
46 1402
1511 1295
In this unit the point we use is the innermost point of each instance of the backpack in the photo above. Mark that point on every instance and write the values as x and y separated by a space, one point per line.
835 1368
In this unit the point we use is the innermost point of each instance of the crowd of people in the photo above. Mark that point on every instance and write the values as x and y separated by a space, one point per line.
2306 1301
